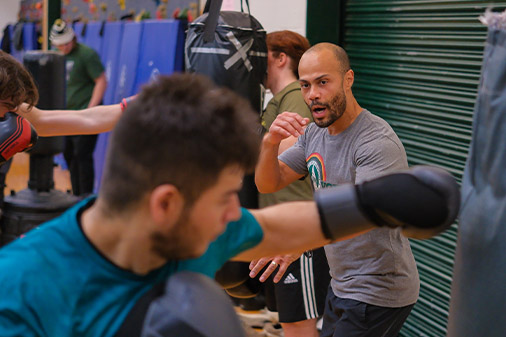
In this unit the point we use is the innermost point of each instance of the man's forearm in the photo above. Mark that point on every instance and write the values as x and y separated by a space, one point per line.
94 120
288 228
267 172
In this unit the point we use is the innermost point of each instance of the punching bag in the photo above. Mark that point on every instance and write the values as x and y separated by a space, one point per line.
40 202
478 295
230 48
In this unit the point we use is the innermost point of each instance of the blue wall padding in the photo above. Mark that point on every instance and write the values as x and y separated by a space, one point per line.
111 42
136 52
29 36
121 41
78 30
161 48
99 158
29 40
128 60
17 54
93 39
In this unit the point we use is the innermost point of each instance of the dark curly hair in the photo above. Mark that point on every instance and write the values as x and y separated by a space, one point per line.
16 83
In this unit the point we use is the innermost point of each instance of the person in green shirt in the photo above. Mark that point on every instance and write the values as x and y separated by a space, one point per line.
298 309
86 84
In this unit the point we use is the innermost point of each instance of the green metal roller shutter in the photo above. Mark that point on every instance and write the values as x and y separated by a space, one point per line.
417 65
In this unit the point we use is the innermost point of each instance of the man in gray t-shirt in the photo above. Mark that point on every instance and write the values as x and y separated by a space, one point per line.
374 277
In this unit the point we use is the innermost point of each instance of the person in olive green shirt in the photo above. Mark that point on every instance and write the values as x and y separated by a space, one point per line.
299 293
86 84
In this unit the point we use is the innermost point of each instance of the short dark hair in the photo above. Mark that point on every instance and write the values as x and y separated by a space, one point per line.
290 43
180 130
340 54
16 83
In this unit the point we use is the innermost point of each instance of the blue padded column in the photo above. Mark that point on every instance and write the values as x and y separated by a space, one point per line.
162 46
78 29
29 36
127 37
111 43
92 38
17 54
128 60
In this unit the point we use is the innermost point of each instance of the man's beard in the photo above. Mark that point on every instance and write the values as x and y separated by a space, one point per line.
178 243
336 109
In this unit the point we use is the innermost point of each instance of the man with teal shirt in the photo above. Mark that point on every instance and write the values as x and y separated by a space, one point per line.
168 203
86 85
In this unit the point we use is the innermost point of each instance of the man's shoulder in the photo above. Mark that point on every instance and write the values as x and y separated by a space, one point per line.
369 119
244 231
87 52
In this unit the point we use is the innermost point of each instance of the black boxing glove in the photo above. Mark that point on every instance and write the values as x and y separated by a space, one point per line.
16 135
424 201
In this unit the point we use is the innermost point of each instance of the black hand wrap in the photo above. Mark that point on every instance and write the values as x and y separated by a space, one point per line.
340 214
16 135
424 201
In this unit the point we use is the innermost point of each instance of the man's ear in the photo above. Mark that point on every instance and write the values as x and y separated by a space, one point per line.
349 78
166 203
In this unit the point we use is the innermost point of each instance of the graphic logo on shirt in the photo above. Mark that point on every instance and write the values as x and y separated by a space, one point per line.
317 172
289 279
69 65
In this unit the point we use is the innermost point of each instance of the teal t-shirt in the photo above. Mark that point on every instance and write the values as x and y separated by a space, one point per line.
53 282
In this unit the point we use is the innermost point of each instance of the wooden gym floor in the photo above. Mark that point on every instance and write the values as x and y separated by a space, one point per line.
18 175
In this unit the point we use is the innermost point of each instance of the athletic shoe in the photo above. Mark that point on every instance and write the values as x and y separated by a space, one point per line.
257 319
273 330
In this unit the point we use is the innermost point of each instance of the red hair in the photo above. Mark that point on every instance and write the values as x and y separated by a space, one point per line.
290 43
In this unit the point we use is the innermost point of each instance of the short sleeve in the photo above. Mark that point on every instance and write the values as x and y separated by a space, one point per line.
295 156
239 236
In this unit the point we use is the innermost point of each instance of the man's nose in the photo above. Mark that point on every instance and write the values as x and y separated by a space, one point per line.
313 94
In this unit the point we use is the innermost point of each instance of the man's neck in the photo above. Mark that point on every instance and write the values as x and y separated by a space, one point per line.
351 113
118 239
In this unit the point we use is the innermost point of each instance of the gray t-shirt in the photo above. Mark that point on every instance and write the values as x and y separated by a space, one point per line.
377 267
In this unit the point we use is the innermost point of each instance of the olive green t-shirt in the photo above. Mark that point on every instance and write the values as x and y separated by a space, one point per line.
83 67
288 99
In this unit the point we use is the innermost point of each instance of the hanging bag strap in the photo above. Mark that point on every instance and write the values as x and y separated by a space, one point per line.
213 8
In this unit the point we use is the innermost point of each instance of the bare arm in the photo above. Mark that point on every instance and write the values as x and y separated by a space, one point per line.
286 144
72 122
98 91
271 174
288 228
